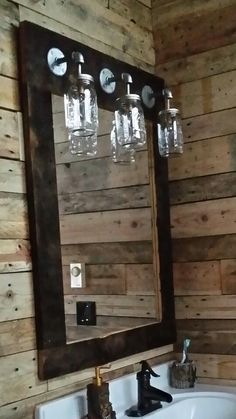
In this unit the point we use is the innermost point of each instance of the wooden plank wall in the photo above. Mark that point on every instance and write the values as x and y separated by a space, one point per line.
195 46
104 203
126 25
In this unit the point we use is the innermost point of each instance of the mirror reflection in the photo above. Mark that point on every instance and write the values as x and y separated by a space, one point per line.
108 245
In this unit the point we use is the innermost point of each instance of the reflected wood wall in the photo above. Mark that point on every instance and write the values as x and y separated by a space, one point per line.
102 203
122 30
196 53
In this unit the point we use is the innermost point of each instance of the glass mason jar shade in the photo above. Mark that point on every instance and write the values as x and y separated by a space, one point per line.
129 121
81 115
170 136
120 154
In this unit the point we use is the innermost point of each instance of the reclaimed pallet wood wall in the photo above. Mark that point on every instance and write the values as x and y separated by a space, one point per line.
195 46
100 202
121 29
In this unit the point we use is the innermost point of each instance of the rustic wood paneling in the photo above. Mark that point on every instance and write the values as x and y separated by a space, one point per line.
189 40
204 188
199 278
121 225
100 279
108 27
103 253
106 199
204 248
221 158
201 69
206 218
228 276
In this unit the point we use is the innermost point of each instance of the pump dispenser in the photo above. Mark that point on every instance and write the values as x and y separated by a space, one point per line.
99 406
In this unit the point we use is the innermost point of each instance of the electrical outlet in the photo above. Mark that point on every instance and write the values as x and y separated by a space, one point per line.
77 275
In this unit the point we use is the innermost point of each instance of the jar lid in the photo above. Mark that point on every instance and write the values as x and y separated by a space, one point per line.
171 111
85 77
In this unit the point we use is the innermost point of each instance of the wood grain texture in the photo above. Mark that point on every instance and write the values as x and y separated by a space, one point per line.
199 278
14 255
100 174
16 298
106 199
100 279
108 226
204 248
216 217
207 95
194 33
206 307
221 158
209 125
205 64
108 28
75 34
228 276
196 189
17 336
103 253
208 336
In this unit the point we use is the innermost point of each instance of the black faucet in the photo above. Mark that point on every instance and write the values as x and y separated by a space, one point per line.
149 398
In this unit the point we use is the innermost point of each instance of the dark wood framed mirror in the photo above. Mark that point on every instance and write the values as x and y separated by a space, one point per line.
39 87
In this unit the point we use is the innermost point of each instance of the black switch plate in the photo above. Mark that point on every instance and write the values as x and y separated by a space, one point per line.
86 313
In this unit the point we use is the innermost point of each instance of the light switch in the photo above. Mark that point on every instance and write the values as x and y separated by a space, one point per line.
77 275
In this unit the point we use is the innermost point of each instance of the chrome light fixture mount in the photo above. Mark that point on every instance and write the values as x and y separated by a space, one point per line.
57 62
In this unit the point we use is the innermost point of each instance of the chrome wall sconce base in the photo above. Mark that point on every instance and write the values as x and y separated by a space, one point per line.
57 62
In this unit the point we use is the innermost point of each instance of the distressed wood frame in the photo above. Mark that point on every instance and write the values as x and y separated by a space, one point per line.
55 357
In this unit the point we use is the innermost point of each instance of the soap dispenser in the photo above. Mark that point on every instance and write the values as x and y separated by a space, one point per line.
99 406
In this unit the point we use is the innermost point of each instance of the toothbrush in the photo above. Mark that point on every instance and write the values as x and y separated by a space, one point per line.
185 351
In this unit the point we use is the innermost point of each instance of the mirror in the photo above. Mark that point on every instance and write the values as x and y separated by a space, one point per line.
110 205
114 220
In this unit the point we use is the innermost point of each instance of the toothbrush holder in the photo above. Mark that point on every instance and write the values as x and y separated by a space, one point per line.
182 375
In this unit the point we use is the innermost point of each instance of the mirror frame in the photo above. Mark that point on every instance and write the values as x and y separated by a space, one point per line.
38 83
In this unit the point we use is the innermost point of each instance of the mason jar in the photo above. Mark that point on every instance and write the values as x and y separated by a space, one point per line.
130 122
81 115
170 135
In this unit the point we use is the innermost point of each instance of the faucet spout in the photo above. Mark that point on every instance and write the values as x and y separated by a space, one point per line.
156 394
149 398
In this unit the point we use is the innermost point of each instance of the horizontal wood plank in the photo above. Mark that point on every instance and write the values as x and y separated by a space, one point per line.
17 336
63 29
194 33
103 253
204 218
100 174
108 27
9 134
9 20
16 296
103 200
110 305
206 307
100 279
228 276
141 280
134 11
108 226
207 157
206 95
204 188
210 125
21 371
199 278
198 66
208 336
14 256
12 176
205 248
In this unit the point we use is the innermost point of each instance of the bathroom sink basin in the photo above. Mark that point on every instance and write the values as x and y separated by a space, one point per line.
202 405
